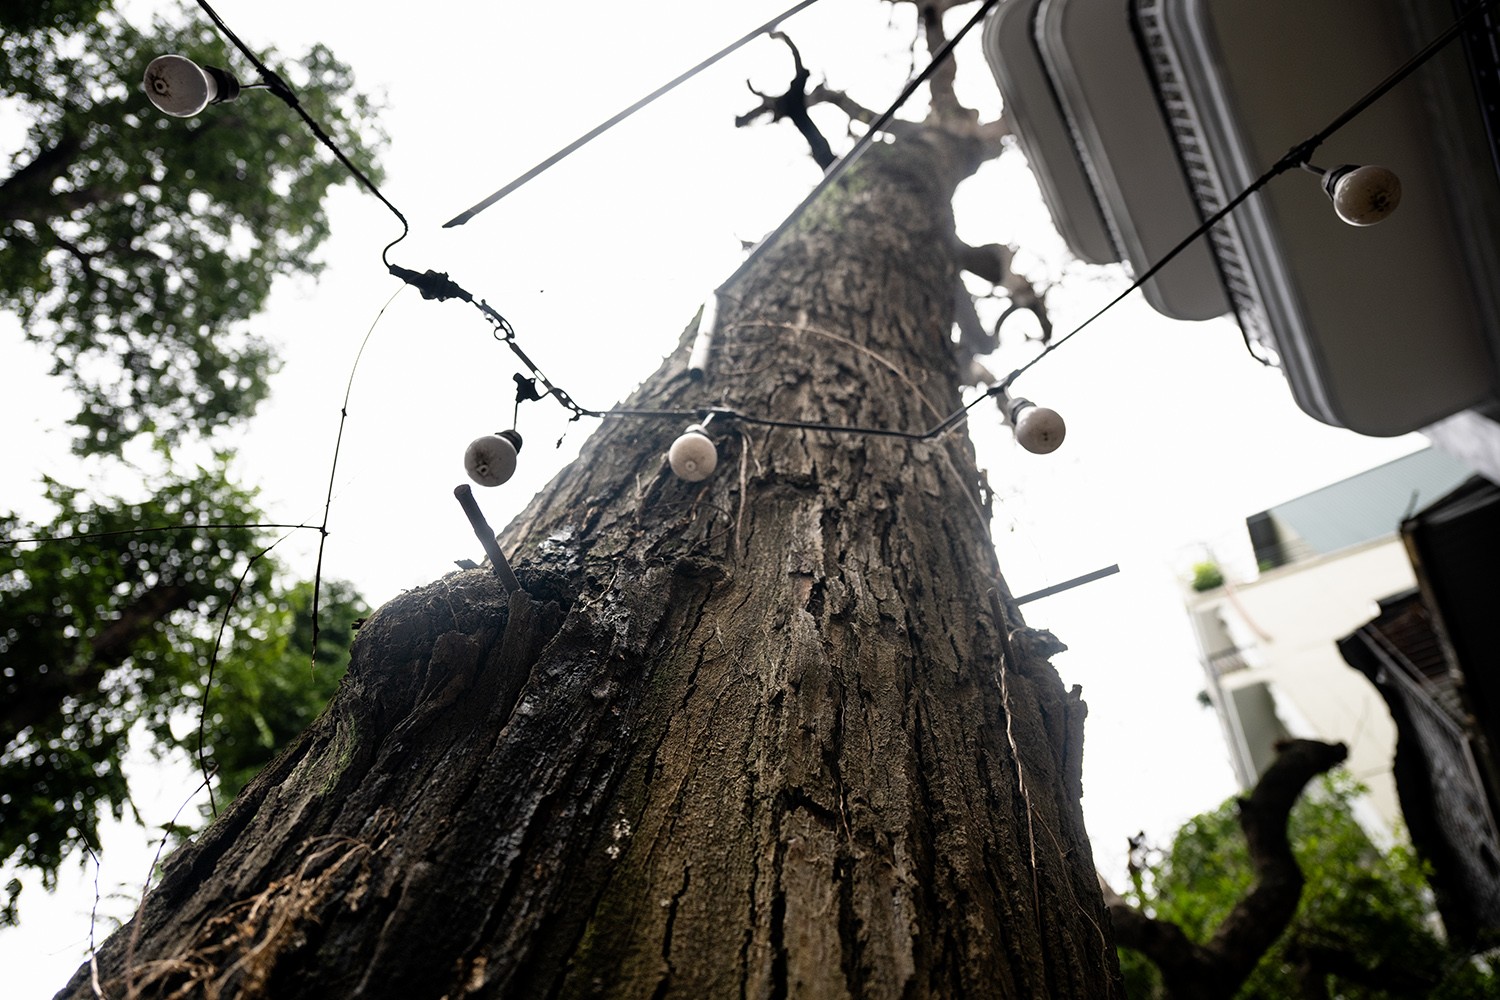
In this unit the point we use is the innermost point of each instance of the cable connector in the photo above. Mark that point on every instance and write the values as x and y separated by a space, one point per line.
432 284
526 390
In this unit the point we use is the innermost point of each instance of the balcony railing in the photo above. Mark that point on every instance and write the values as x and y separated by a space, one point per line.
1227 661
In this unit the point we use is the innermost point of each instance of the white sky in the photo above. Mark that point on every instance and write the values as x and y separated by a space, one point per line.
1175 434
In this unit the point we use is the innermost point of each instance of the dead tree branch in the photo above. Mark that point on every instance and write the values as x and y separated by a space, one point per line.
792 105
1218 968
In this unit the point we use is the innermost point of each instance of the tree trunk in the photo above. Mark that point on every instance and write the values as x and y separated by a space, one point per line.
759 736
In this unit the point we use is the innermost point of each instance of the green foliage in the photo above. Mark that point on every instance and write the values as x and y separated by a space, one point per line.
1207 576
108 638
28 23
261 702
1371 905
135 245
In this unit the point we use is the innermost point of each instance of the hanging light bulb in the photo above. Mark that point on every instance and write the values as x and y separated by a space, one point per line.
693 456
1038 429
181 88
491 460
1362 196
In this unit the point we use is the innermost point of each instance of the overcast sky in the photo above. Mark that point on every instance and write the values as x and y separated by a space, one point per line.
1174 432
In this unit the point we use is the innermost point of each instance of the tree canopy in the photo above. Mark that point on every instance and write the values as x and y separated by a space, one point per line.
1363 929
135 246
112 635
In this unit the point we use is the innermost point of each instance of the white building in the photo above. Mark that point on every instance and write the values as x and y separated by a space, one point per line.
1268 642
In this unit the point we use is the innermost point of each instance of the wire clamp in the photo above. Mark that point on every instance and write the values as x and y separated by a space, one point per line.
432 284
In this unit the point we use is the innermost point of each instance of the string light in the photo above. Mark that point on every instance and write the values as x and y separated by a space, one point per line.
491 460
435 285
1038 429
693 456
1361 196
179 87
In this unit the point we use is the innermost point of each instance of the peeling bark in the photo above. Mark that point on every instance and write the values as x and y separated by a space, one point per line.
779 733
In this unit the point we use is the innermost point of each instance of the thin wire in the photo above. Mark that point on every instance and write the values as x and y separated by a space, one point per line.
276 85
333 468
213 663
842 165
808 425
93 922
140 908
605 126
144 531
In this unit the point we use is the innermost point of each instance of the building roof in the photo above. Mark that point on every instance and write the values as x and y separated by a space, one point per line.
1362 508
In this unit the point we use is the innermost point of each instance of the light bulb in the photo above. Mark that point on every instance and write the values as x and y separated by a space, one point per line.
491 460
693 455
181 88
1362 196
1038 429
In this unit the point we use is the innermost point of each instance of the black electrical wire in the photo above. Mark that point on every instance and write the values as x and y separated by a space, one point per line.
435 285
276 85
605 126
439 286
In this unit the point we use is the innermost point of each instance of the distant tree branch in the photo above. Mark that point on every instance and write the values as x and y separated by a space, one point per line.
823 94
108 648
1218 969
991 133
27 194
990 262
946 113
1317 960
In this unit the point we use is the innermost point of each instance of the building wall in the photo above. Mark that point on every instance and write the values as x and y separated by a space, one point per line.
1286 623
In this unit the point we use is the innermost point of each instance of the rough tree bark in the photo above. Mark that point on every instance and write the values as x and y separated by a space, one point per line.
780 733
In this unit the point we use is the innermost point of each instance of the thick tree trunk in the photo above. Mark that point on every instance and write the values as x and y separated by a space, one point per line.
760 736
